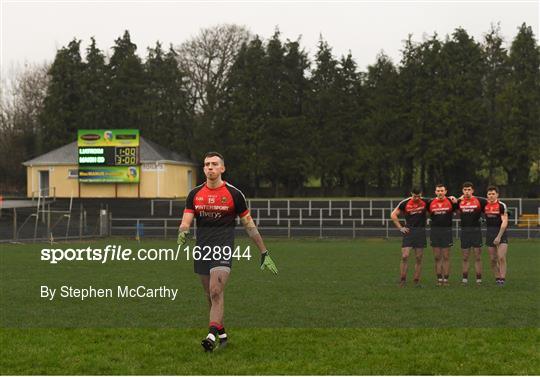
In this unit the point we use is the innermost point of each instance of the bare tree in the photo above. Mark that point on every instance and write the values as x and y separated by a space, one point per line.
21 101
23 96
207 58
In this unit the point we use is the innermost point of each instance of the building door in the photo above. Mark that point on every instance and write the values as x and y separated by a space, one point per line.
189 180
44 182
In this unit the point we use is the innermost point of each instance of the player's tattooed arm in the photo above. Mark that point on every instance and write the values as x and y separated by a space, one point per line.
253 232
251 229
185 224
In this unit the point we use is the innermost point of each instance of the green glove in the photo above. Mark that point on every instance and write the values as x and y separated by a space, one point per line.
267 262
182 237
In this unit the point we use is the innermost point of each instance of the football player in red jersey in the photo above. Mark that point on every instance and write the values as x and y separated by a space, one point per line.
470 210
215 205
496 215
414 232
441 210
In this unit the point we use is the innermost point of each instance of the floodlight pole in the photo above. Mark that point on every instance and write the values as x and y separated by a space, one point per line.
80 220
15 224
69 215
37 216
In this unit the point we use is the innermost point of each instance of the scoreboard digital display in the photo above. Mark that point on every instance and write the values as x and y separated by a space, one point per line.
108 156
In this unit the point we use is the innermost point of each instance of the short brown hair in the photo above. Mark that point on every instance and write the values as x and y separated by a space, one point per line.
492 188
467 184
214 154
440 185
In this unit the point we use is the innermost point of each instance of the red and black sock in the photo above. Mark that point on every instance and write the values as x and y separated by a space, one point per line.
218 331
213 330
222 335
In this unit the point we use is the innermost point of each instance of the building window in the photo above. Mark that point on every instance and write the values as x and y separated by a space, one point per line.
73 173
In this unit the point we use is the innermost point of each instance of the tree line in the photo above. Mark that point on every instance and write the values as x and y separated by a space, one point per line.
452 109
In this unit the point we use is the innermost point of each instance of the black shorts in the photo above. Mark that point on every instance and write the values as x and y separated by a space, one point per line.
441 237
471 237
207 259
415 238
491 233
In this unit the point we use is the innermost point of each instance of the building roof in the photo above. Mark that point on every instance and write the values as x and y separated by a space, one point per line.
150 153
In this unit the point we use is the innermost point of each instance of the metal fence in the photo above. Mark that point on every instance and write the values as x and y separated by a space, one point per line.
314 218
296 227
349 218
328 202
309 205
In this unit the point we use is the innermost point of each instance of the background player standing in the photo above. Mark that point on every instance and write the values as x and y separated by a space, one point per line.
441 210
470 210
496 214
215 205
414 232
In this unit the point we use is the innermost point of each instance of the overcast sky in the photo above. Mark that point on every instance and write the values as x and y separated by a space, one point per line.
32 31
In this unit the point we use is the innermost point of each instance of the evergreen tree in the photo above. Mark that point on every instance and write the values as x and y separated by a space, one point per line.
94 80
326 132
496 77
432 138
126 86
413 77
284 144
244 116
520 112
61 113
349 115
166 112
461 109
382 124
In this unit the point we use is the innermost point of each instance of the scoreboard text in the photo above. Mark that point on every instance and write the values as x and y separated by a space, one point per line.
109 156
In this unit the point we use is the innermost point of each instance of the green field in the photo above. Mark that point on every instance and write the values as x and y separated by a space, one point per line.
335 308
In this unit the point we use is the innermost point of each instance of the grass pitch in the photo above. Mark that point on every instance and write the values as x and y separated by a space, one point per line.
335 308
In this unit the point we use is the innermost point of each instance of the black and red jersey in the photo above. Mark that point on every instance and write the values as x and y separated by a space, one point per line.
415 212
441 212
493 212
470 210
215 212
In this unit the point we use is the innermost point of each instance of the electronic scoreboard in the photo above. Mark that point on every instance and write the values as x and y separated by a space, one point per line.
108 156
